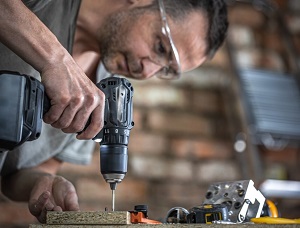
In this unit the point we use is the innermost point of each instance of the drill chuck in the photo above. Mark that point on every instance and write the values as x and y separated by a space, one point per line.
113 162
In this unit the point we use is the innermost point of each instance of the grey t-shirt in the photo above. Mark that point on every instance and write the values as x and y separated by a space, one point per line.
60 17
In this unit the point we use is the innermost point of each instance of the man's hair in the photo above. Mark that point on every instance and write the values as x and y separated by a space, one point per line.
216 13
214 10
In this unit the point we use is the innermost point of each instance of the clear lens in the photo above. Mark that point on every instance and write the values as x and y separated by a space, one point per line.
168 73
173 70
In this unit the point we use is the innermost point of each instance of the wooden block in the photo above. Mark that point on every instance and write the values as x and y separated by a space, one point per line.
88 218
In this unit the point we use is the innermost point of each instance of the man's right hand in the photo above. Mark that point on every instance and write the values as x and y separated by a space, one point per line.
74 98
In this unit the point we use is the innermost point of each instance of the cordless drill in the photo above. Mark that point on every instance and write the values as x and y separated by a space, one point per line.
114 136
23 103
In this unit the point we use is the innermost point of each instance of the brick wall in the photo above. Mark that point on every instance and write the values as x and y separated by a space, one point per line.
182 140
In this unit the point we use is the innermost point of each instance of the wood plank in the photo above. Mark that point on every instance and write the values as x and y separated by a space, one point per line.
88 218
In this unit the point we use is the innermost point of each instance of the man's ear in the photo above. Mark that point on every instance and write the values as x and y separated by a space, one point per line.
199 63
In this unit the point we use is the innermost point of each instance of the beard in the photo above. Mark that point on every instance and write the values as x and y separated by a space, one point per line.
110 38
113 38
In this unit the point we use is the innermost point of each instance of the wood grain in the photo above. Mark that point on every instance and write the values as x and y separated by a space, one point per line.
88 218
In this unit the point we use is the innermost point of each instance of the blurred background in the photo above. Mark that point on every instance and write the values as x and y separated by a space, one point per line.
220 122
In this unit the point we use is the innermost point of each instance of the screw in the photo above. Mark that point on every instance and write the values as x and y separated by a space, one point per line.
241 192
237 205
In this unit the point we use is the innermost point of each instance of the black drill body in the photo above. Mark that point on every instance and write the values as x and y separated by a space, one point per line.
23 103
118 122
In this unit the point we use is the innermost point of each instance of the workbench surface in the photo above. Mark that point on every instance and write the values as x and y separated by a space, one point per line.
167 226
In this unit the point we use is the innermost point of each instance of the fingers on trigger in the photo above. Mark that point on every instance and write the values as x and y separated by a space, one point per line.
54 114
95 125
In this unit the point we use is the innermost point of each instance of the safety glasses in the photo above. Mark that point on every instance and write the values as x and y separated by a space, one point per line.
173 69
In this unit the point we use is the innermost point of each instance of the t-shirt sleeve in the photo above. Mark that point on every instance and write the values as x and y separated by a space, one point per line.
52 143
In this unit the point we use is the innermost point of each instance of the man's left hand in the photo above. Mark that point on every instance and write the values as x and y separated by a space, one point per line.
52 193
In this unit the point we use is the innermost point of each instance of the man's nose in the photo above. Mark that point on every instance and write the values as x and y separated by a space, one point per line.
150 68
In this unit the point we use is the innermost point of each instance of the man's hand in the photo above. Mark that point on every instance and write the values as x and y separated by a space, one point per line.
41 188
74 98
52 193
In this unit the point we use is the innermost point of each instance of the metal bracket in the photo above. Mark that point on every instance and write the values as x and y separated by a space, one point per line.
241 198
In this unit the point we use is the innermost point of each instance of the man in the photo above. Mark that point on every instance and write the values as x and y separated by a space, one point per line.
134 38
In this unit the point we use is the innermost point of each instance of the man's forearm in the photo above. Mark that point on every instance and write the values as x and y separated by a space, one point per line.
27 36
18 186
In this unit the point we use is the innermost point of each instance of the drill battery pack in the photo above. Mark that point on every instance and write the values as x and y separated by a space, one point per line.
21 109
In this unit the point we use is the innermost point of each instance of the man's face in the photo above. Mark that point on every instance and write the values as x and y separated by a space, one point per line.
132 42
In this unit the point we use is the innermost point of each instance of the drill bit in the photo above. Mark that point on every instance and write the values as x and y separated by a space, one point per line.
113 194
113 200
